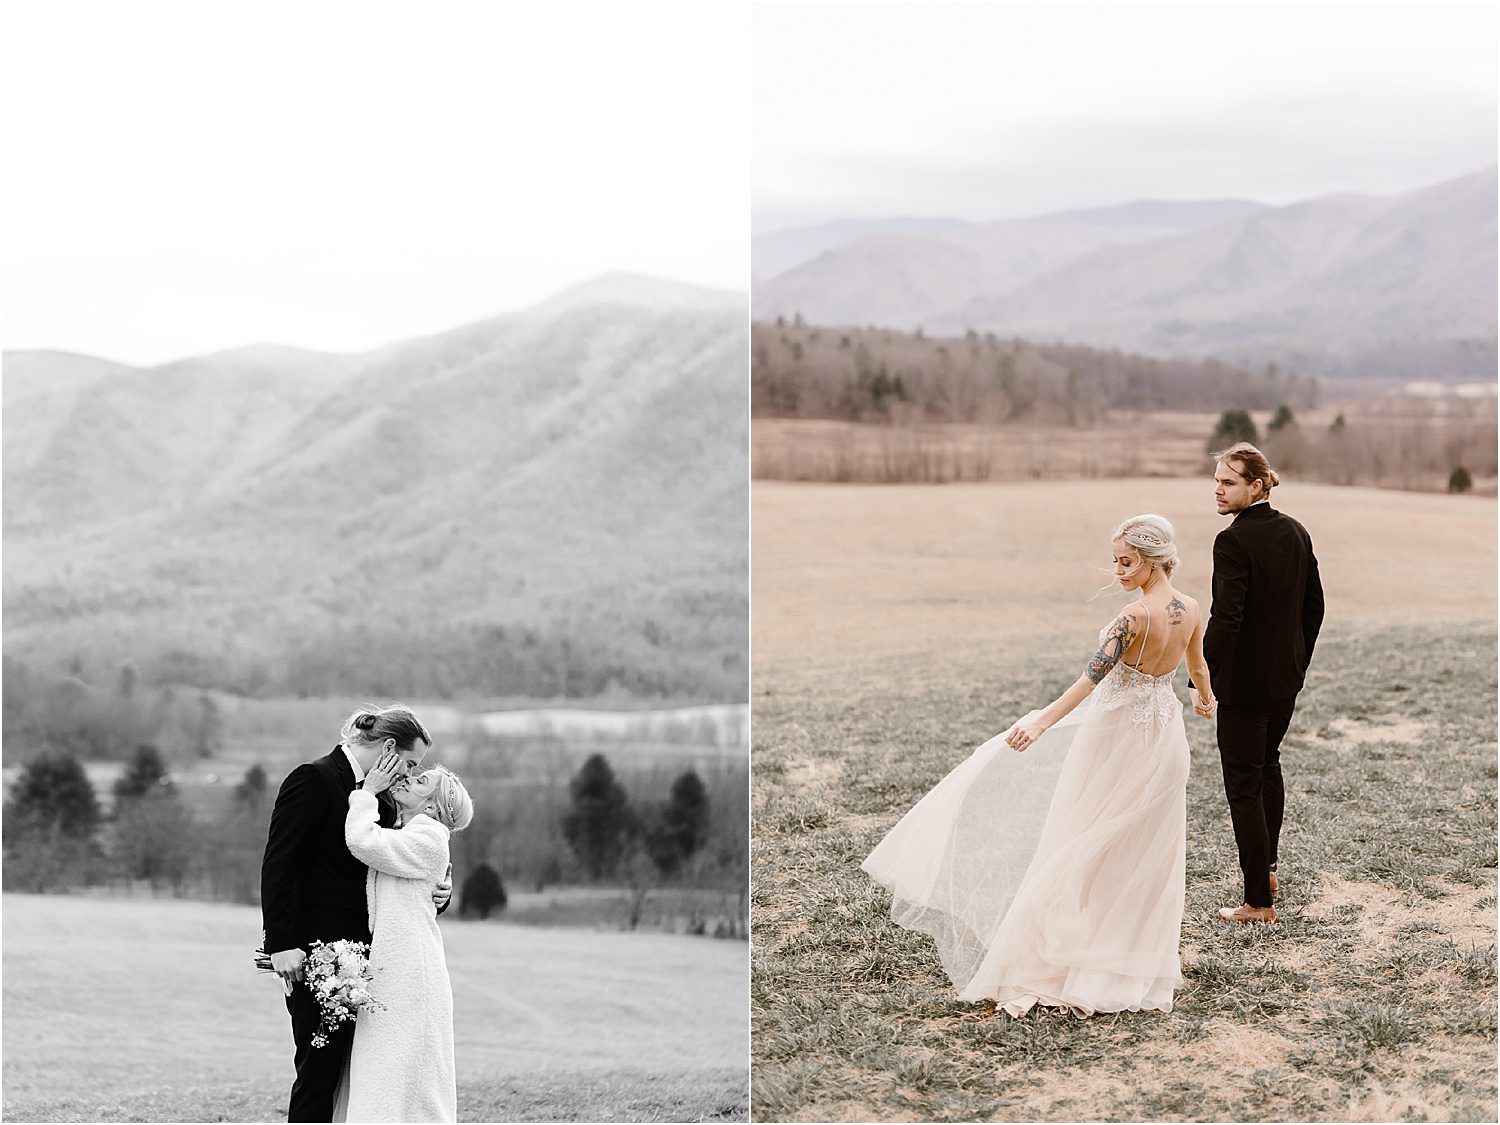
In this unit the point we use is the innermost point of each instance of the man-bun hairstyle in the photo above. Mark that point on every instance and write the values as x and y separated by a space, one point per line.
1254 465
376 724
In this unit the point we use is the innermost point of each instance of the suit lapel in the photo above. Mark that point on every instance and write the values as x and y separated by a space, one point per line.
342 769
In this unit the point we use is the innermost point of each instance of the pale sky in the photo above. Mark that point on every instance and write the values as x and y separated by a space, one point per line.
184 177
985 111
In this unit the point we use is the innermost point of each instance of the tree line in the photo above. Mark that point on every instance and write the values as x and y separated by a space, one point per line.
57 835
61 713
692 650
884 375
1426 450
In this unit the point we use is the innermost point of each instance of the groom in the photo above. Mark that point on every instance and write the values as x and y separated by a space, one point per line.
311 887
1267 608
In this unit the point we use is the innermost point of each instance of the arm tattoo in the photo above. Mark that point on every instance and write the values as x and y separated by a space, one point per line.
1118 638
1175 610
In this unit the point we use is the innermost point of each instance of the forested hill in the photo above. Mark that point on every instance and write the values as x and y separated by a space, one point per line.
873 374
543 503
1400 286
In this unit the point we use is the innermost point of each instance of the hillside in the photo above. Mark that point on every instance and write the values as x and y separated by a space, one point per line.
571 477
1393 287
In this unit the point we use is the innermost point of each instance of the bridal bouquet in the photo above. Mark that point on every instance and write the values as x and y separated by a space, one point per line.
338 973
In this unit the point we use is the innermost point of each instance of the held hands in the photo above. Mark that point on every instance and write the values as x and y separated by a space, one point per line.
385 771
443 891
1204 708
1023 734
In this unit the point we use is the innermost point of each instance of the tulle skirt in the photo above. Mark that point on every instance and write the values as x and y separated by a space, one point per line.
1056 876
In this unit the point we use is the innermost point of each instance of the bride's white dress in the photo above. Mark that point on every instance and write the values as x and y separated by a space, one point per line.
401 1065
1056 876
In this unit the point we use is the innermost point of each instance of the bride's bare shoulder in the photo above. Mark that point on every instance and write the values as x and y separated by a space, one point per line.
1180 606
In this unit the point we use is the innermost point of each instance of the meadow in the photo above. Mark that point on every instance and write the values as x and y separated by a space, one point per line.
897 627
131 1010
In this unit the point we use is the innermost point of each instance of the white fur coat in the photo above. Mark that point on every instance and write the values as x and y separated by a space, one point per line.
401 1064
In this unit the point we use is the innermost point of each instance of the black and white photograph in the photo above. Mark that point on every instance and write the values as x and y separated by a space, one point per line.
375 404
1124 561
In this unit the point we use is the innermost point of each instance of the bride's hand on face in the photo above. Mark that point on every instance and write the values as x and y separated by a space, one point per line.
1022 735
384 772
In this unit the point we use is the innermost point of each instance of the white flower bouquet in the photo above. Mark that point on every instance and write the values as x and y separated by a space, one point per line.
338 973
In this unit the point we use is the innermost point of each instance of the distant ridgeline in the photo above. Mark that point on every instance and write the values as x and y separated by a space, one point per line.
1399 287
878 374
547 503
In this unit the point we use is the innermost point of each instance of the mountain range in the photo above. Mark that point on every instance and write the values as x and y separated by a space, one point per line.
1348 284
578 467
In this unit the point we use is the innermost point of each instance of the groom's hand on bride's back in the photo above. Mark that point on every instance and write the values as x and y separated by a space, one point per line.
443 891
288 964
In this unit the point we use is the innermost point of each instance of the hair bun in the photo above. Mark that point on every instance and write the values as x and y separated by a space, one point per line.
364 722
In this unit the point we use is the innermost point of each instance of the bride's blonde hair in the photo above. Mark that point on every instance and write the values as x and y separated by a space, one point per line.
1154 537
455 808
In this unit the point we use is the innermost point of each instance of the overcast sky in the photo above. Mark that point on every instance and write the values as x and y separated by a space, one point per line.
183 177
989 111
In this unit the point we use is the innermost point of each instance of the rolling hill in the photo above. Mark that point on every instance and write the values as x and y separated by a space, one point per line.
574 473
1401 286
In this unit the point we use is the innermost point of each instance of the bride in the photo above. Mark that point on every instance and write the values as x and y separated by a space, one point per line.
1049 866
401 1064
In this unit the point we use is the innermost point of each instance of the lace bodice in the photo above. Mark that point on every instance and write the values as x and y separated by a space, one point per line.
1150 698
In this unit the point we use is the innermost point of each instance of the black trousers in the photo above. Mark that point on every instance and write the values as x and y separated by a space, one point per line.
319 1068
1250 753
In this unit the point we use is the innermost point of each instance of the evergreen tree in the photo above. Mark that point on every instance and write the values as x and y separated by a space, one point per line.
54 790
252 788
1460 481
49 826
599 823
1235 425
146 773
1281 421
482 892
682 826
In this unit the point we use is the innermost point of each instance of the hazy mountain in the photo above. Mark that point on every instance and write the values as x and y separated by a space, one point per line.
1326 285
1398 286
905 272
584 459
904 281
778 251
1169 214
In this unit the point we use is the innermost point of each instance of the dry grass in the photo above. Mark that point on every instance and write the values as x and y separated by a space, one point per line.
896 584
895 628
140 1010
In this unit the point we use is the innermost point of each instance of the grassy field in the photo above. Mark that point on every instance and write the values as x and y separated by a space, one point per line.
128 1010
896 628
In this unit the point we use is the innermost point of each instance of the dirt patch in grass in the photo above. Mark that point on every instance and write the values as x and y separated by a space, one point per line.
1389 728
808 772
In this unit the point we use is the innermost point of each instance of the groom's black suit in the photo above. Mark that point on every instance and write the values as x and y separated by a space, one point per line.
1267 609
312 889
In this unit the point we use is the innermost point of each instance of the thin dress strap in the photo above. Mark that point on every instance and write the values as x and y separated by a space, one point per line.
1144 637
